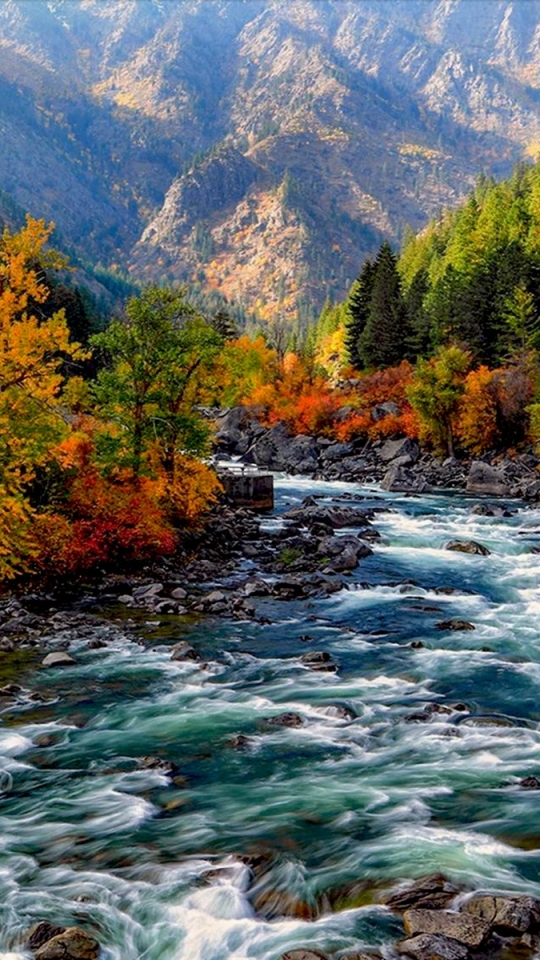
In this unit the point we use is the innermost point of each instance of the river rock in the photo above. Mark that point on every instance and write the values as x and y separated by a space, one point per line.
337 451
310 512
286 720
463 927
454 624
486 479
303 954
343 552
399 479
147 592
530 783
40 933
433 947
184 651
73 944
57 660
431 892
517 914
319 660
468 546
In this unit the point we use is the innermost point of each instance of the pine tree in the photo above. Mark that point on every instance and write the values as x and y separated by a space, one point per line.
383 341
357 309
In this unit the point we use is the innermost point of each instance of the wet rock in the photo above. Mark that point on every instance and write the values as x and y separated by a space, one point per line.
73 944
433 947
517 914
485 479
455 624
336 517
286 720
342 552
96 644
216 596
184 651
431 892
57 660
530 783
361 956
157 763
40 933
468 546
340 712
303 954
463 927
399 479
319 660
272 904
147 592
240 742
257 588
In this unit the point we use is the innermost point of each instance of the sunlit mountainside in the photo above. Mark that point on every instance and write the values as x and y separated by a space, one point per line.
258 148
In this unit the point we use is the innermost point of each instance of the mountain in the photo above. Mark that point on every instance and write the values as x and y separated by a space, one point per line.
259 148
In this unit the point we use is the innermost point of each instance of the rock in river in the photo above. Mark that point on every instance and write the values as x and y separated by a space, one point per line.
468 546
72 944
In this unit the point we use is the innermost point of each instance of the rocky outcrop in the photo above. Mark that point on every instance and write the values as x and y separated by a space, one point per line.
48 942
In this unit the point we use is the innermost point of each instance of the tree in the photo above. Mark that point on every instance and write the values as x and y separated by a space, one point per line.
523 322
383 341
357 312
32 350
157 356
436 392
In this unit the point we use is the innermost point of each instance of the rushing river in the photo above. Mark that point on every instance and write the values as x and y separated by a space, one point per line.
379 791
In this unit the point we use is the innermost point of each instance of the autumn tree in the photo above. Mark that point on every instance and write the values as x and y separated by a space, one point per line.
435 395
158 356
32 349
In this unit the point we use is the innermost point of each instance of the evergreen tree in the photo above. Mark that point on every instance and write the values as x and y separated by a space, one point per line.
383 341
419 342
357 308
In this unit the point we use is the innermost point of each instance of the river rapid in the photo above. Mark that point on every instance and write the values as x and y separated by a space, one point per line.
371 789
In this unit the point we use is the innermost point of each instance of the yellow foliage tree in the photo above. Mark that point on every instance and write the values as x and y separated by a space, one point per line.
31 353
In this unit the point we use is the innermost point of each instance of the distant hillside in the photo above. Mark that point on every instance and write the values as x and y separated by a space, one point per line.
259 149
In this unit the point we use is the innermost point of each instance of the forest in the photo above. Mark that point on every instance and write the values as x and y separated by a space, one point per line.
105 439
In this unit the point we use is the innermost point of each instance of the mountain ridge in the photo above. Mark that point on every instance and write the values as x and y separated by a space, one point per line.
259 149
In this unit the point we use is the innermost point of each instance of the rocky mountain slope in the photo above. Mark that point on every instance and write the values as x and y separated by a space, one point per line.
259 147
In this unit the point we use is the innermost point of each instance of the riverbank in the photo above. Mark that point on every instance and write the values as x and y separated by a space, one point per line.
251 772
399 465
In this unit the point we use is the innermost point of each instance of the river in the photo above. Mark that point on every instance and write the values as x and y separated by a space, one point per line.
372 788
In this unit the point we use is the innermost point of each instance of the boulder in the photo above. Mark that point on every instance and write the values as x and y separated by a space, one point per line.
286 720
147 592
433 947
179 593
386 409
301 455
303 954
40 933
184 651
343 552
332 516
73 944
432 891
463 927
319 660
511 914
468 546
57 660
455 624
392 449
269 450
399 479
485 479
337 451
530 783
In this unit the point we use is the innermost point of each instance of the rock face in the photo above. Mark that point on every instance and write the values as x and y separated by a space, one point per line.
485 479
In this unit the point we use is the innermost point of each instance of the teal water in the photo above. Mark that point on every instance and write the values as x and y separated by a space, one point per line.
153 867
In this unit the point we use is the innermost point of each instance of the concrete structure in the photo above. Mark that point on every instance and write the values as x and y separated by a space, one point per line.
247 487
